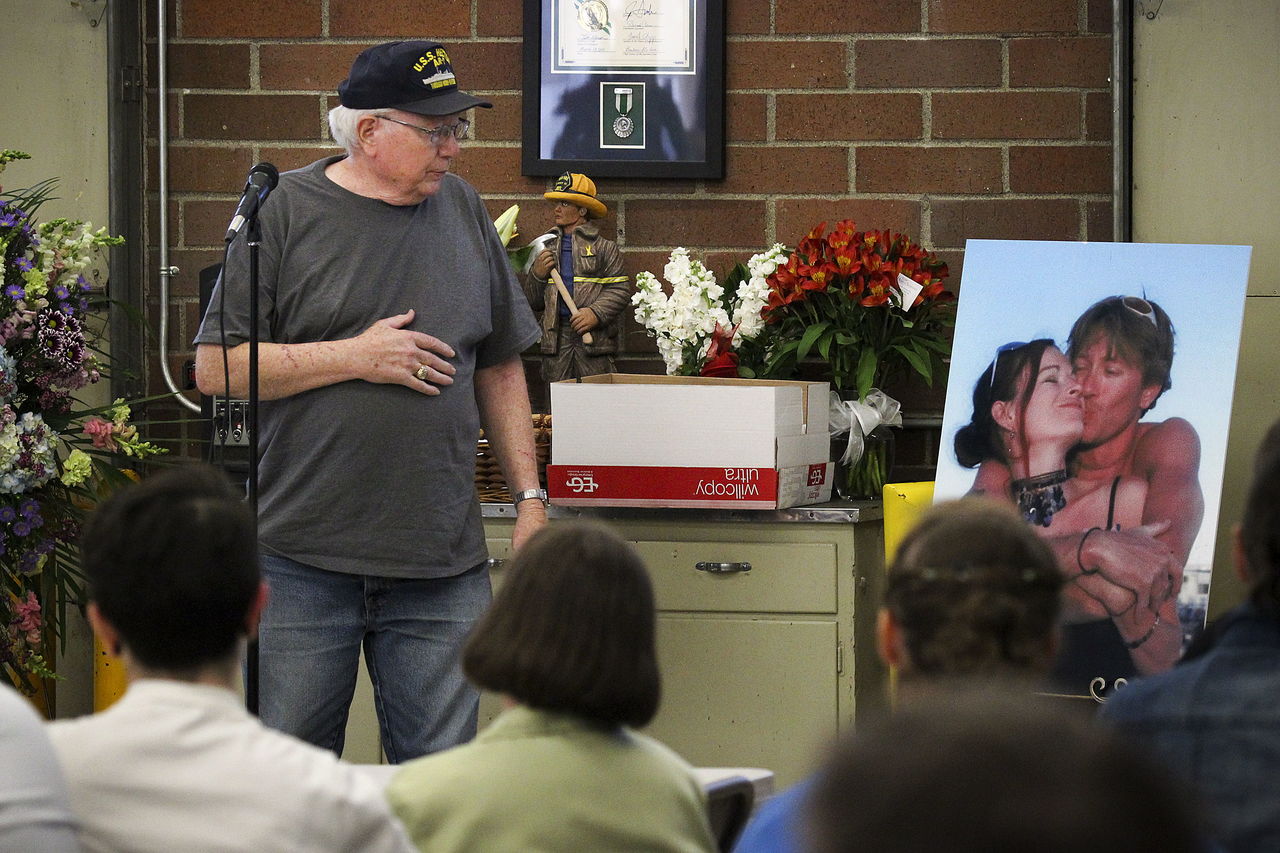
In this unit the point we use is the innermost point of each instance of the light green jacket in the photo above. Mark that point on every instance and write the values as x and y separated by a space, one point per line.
539 781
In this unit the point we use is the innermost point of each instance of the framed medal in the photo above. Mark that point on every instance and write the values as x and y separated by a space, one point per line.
624 88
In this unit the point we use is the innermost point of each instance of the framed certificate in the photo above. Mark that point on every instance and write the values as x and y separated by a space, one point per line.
624 88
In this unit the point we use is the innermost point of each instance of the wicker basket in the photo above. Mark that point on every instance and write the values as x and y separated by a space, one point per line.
491 487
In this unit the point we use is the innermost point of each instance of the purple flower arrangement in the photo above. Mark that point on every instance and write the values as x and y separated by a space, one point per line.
53 461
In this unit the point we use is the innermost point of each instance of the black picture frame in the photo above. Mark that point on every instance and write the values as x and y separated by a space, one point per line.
660 119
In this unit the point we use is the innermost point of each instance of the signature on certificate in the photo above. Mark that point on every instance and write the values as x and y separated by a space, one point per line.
639 10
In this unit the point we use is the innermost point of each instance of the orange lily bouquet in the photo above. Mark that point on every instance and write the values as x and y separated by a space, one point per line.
869 303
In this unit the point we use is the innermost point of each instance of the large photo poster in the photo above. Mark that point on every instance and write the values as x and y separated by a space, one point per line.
1091 387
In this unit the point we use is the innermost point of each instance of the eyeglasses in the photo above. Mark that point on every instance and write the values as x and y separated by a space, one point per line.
438 135
995 362
1141 307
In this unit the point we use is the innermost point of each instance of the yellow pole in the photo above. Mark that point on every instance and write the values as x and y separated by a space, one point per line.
108 677
903 503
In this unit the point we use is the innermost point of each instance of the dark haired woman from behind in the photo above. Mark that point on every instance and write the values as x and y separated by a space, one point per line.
972 600
569 643
1027 416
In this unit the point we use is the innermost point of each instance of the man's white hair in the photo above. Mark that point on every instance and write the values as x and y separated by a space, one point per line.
343 121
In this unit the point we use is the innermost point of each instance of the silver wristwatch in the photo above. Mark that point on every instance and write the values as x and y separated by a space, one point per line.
540 494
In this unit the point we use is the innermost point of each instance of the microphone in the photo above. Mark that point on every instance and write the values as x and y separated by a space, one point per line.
262 180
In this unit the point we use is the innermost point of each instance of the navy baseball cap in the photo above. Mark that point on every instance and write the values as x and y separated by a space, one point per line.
414 76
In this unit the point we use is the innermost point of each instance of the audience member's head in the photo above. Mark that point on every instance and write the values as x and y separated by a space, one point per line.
973 591
572 629
172 566
987 773
1258 548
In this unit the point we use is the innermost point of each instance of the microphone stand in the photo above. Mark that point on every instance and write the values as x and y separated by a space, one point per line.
253 238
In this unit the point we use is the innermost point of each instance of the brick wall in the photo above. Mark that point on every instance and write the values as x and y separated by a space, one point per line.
947 119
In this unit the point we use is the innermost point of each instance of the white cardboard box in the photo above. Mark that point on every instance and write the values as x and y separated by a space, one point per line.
633 440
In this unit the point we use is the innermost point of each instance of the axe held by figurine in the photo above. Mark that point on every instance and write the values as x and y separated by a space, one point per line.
540 244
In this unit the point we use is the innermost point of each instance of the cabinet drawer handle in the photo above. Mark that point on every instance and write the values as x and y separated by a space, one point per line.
494 563
722 568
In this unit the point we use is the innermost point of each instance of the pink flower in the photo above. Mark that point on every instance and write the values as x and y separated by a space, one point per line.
26 617
102 432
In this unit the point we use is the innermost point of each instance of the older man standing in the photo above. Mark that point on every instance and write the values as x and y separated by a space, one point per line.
391 328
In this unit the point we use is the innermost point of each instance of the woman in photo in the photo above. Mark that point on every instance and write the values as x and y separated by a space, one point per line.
1027 416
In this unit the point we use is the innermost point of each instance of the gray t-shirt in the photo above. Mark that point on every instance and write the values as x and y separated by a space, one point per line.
359 477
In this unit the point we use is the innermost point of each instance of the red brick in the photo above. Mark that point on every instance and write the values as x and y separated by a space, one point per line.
172 103
285 158
796 217
1099 16
652 261
927 63
694 222
204 223
1099 221
849 116
201 168
250 18
786 65
1083 62
1097 116
184 322
487 66
722 263
401 19
954 259
494 170
251 117
839 16
1001 16
317 67
1006 115
502 123
1004 219
747 17
904 169
770 169
746 118
189 263
498 18
653 187
206 66
1060 169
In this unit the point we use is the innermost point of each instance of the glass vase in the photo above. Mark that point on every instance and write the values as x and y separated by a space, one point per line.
865 478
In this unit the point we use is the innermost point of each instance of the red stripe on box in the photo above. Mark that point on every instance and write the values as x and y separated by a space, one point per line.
661 486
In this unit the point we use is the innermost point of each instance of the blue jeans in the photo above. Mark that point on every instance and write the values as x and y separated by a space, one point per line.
412 631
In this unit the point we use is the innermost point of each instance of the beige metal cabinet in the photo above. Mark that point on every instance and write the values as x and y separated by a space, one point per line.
761 667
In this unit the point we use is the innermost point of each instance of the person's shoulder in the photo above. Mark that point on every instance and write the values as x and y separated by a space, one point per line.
1171 430
663 761
85 736
310 174
1172 442
773 828
1155 697
454 186
16 712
